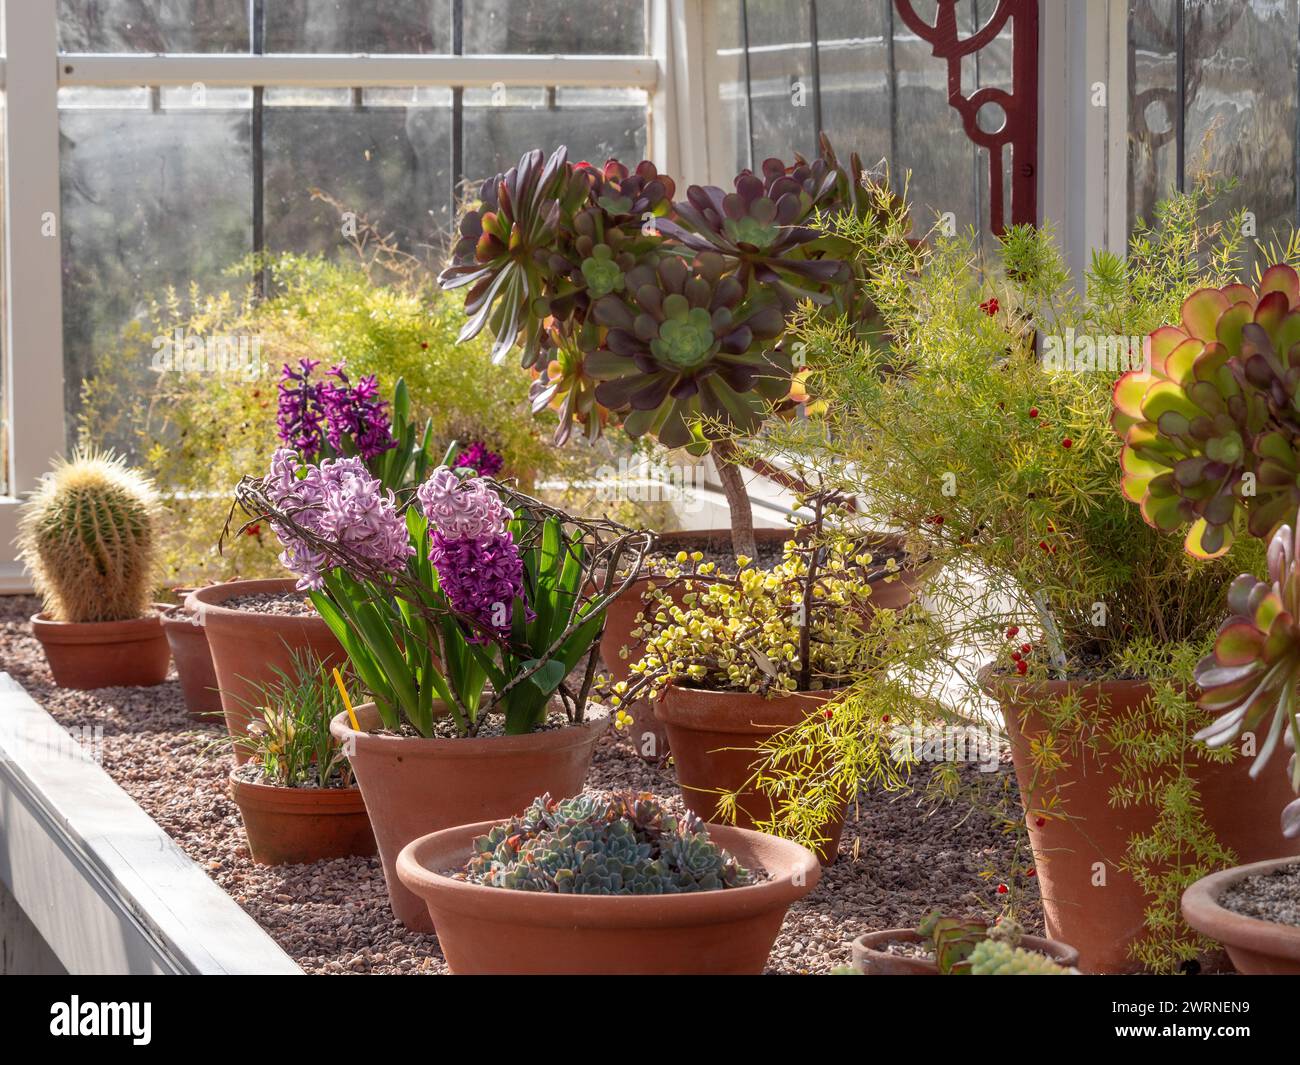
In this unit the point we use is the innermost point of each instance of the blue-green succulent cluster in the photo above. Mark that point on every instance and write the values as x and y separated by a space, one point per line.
602 845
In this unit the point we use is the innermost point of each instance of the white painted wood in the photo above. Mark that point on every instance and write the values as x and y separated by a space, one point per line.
33 386
359 71
684 108
103 885
1083 143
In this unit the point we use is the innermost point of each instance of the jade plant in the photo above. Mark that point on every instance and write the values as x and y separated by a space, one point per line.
595 845
87 536
664 318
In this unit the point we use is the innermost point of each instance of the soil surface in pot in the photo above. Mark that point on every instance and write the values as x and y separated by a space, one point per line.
251 773
896 864
1272 897
285 604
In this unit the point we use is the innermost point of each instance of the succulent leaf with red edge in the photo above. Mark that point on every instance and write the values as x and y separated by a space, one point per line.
1254 671
1206 433
686 347
504 246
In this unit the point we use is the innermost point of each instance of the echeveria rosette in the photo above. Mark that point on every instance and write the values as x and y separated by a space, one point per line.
340 502
764 227
1253 673
504 247
689 348
1208 433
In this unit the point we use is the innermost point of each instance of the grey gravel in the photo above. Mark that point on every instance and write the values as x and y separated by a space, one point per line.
333 917
285 604
1271 896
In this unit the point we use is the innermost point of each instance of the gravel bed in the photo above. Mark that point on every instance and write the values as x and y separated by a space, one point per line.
1272 897
333 917
285 604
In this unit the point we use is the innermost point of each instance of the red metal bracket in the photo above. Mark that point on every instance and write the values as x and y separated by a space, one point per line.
1019 107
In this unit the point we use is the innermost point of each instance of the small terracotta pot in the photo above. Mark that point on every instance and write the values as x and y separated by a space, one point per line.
1256 947
647 733
104 654
414 786
714 738
871 957
247 648
289 826
189 645
1073 851
485 930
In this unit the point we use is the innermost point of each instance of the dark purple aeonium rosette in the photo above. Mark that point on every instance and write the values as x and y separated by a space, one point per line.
470 545
341 502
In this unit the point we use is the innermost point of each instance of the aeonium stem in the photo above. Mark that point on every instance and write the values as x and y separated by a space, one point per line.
733 487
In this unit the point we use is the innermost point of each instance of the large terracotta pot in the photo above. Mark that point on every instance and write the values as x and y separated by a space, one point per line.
1088 900
415 786
247 648
1256 947
871 957
104 654
189 646
714 738
299 825
485 930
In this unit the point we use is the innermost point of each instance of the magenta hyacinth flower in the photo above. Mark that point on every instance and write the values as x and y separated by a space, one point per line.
356 411
478 457
342 503
299 415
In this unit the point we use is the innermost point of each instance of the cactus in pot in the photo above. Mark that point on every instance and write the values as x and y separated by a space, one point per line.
87 537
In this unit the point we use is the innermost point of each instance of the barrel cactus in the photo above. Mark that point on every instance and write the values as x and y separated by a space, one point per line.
87 537
1211 425
594 845
997 957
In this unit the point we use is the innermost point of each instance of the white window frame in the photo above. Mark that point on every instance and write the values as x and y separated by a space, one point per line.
670 73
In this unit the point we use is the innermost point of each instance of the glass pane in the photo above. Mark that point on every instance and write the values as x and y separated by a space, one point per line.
595 124
151 198
781 79
1153 104
1241 105
4 368
153 25
387 159
729 69
580 27
404 26
853 57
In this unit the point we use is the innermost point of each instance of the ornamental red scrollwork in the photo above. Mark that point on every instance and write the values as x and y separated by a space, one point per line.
1019 107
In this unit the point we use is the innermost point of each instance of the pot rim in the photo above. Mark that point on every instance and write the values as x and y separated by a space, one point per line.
274 795
462 747
92 632
210 600
995 685
1201 908
1059 952
610 911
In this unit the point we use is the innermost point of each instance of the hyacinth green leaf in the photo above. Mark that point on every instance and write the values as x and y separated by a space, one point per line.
1201 313
1207 541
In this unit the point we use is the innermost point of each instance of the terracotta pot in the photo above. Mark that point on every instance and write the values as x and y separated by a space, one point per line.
290 826
104 654
484 930
714 738
1074 851
415 786
247 648
871 957
189 646
1256 947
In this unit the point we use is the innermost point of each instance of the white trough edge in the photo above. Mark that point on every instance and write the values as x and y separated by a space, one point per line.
106 887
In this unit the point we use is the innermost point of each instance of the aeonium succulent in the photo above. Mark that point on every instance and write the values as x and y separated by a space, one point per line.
689 348
1253 674
1210 427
